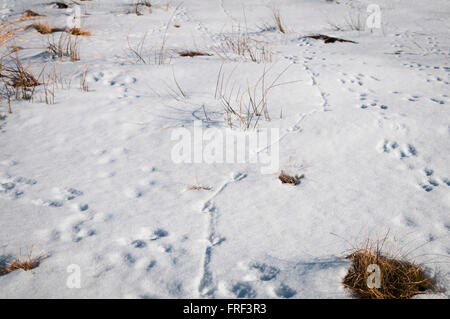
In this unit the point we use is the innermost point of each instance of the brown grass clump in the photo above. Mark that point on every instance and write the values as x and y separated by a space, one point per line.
15 48
18 76
31 14
78 31
26 263
44 28
191 53
399 279
288 179
18 82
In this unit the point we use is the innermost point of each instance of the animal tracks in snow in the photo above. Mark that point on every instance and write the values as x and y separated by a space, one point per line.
74 228
406 151
14 187
116 80
259 277
430 181
266 272
243 290
352 80
152 249
392 147
59 197
355 84
207 286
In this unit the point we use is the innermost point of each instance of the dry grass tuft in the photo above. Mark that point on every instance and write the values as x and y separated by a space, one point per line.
54 79
400 279
15 48
18 76
26 263
247 104
31 14
66 46
288 179
44 28
191 53
17 82
78 31
240 43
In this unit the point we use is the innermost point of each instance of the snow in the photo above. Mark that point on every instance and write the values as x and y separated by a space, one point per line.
90 180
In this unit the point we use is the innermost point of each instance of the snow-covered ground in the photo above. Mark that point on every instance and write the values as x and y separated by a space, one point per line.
90 180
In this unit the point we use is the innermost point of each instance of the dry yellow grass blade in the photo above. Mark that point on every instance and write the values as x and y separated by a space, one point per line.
8 29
